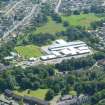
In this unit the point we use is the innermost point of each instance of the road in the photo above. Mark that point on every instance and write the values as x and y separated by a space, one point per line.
13 7
35 10
57 7
27 18
17 4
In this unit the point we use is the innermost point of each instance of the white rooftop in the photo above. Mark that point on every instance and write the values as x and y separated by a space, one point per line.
61 48
65 51
66 44
48 57
56 53
13 53
32 59
84 51
83 48
72 50
8 57
61 41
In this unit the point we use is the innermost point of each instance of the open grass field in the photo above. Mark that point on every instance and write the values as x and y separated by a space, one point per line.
51 27
74 20
82 19
40 93
29 51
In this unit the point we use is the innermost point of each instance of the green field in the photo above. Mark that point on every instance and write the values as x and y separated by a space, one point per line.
29 51
82 19
73 93
74 20
50 27
40 93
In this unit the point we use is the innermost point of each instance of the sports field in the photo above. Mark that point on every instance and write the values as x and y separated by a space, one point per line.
29 51
50 27
82 19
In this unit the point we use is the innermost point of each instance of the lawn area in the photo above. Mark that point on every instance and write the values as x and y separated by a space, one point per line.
50 27
40 93
82 19
29 51
73 93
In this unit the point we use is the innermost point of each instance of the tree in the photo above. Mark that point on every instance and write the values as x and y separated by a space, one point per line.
21 102
71 79
56 18
3 84
98 96
25 83
49 95
56 88
86 11
51 71
89 88
36 85
102 102
99 55
10 103
65 24
76 12
11 82
79 88
66 90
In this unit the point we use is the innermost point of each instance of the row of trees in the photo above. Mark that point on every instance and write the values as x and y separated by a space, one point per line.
75 64
97 24
99 96
39 39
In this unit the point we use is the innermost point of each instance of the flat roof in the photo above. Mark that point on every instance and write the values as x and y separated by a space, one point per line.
68 44
84 51
61 41
48 57
56 53
60 48
73 50
83 48
65 51
8 57
32 58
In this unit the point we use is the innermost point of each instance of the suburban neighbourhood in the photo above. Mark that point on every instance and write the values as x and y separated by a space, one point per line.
52 52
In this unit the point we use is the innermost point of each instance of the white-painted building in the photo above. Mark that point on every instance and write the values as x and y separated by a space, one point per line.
60 41
61 48
48 57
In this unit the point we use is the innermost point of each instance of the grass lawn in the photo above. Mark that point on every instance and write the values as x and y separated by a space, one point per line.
82 19
29 51
73 93
50 27
40 93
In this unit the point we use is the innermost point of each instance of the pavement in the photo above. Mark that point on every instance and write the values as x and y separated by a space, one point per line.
38 61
